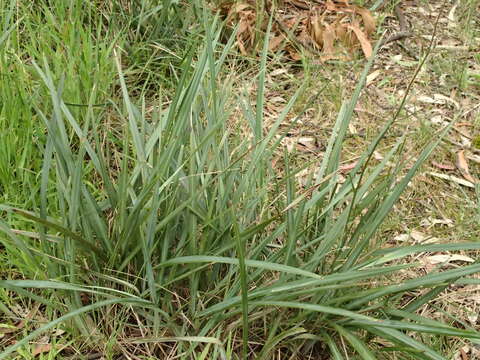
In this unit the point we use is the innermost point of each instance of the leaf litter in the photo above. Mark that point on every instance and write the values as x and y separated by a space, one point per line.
330 29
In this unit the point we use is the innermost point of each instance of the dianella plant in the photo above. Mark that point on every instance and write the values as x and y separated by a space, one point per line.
173 221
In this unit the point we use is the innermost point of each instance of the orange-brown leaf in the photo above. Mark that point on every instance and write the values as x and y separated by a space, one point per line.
41 348
368 20
364 42
294 55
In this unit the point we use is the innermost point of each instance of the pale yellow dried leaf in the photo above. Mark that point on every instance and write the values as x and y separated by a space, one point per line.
372 76
451 16
454 179
447 258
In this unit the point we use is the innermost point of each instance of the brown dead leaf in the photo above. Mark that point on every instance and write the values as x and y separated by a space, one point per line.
328 37
368 19
294 55
462 165
8 329
312 23
347 167
275 42
41 349
317 31
364 42
347 37
236 9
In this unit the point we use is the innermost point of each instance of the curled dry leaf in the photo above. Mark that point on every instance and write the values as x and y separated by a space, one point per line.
462 165
363 39
304 23
368 19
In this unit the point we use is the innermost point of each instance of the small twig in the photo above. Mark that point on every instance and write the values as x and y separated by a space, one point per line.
300 4
470 110
401 18
404 28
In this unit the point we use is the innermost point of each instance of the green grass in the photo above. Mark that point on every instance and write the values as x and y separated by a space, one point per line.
139 220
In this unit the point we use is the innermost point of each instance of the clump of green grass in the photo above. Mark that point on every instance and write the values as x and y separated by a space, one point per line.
184 229
77 39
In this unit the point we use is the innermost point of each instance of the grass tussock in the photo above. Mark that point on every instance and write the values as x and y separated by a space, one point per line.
150 227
